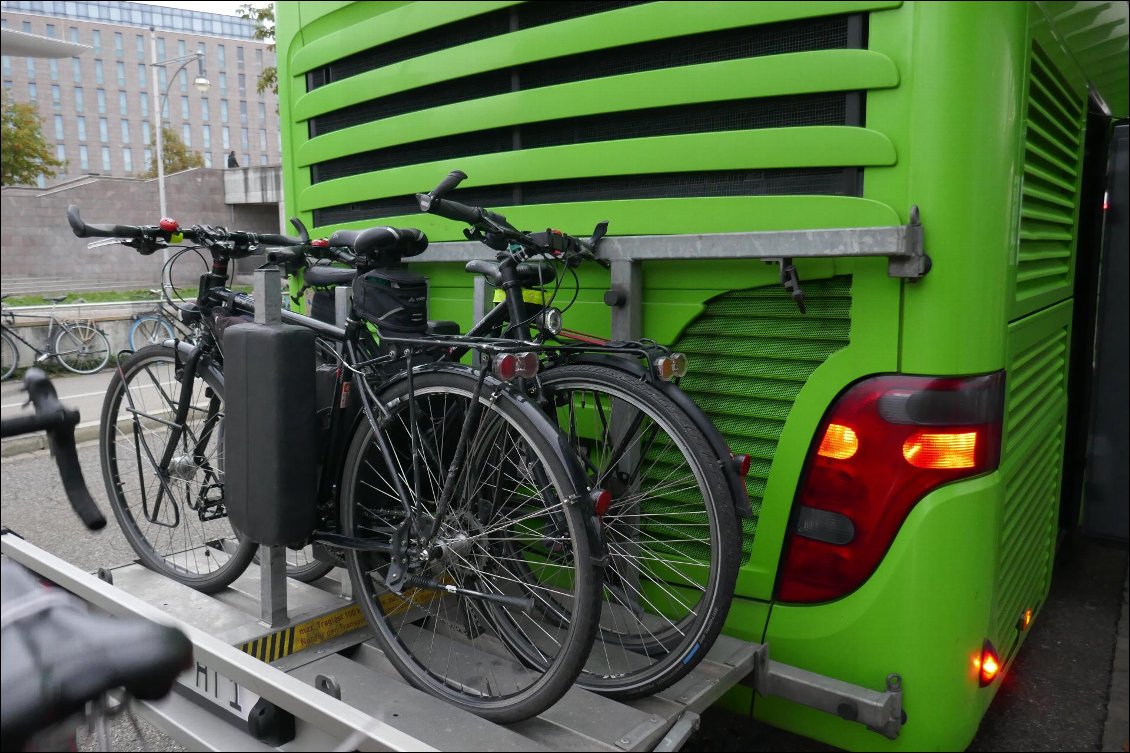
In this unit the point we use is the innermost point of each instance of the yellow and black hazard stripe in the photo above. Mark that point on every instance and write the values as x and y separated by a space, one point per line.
274 646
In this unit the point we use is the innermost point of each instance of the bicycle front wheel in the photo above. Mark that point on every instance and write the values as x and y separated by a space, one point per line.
165 483
671 529
149 330
11 356
82 348
467 628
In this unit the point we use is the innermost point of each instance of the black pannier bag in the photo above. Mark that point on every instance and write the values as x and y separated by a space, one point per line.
396 300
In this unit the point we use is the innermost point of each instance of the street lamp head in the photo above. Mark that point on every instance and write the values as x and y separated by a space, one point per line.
202 84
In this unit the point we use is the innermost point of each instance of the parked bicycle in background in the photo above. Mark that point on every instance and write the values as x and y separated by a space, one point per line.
79 345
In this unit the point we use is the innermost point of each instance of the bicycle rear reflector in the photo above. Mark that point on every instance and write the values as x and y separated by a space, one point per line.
741 463
671 367
510 366
884 444
601 500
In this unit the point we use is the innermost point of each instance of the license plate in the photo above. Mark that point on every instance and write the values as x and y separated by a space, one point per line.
220 690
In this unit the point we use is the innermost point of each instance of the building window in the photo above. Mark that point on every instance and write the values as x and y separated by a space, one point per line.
146 134
83 157
160 48
51 30
244 140
142 76
27 26
101 94
33 92
262 159
123 103
226 138
243 113
127 160
202 48
31 67
206 137
125 131
223 111
242 85
148 157
56 96
119 44
104 130
121 67
207 159
186 134
61 152
245 160
99 78
220 55
262 113
263 140
78 99
59 127
53 66
259 57
182 50
106 159
223 83
76 70
204 110
184 108
96 38
239 57
40 181
144 105
72 33
7 66
184 80
81 128
140 45
162 79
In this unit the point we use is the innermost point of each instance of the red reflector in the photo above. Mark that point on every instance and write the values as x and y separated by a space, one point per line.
602 502
988 664
936 450
742 463
320 243
840 442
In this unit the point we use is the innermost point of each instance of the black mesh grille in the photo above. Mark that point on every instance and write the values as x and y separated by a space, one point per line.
456 33
793 36
769 112
833 181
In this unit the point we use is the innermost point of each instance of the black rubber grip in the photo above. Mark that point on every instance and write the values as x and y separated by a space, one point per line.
83 230
279 240
285 255
454 178
453 210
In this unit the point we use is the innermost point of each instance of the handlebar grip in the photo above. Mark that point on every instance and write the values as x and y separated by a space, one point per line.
278 240
454 178
83 230
453 210
286 255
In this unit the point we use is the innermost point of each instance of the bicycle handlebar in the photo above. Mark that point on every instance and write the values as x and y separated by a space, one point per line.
59 423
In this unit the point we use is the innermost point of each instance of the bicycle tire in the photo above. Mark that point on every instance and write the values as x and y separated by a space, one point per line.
11 356
674 548
149 330
82 348
421 630
130 449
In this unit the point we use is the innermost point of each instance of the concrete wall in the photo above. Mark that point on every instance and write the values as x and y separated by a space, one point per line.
37 242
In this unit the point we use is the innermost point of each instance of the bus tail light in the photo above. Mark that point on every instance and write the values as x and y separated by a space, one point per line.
988 665
885 443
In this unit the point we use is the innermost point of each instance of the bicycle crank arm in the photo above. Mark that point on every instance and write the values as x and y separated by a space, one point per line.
525 604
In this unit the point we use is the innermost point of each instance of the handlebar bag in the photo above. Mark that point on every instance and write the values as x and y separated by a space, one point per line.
395 300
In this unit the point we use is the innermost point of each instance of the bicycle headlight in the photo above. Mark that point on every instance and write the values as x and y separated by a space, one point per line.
550 320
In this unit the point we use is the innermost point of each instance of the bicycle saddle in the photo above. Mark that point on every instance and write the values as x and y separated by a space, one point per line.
530 274
398 242
323 275
56 656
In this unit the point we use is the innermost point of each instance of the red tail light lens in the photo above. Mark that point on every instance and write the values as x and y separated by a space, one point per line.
988 665
884 444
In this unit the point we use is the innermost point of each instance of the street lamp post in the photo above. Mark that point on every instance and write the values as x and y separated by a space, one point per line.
202 85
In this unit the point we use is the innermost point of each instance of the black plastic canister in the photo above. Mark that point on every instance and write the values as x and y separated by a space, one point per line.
270 432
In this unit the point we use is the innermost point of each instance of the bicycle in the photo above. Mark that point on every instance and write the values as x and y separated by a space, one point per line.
79 346
458 511
152 326
671 527
58 658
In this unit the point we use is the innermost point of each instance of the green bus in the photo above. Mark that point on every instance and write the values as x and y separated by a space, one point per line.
933 171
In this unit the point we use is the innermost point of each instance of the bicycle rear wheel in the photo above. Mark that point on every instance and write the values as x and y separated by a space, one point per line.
672 533
173 515
149 330
82 348
513 531
11 356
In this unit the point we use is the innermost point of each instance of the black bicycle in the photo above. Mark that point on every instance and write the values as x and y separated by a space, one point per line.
458 512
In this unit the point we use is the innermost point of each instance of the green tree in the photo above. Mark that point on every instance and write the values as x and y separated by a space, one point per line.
24 153
264 18
177 156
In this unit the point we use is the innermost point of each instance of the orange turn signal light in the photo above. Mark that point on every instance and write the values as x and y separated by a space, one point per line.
941 450
839 443
988 664
1024 621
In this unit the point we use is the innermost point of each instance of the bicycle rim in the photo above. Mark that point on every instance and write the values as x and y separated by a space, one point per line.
510 503
149 330
177 526
11 357
671 529
81 348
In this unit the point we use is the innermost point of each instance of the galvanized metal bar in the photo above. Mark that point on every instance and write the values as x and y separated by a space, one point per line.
272 585
267 286
626 296
878 711
901 244
304 701
480 304
343 304
679 733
